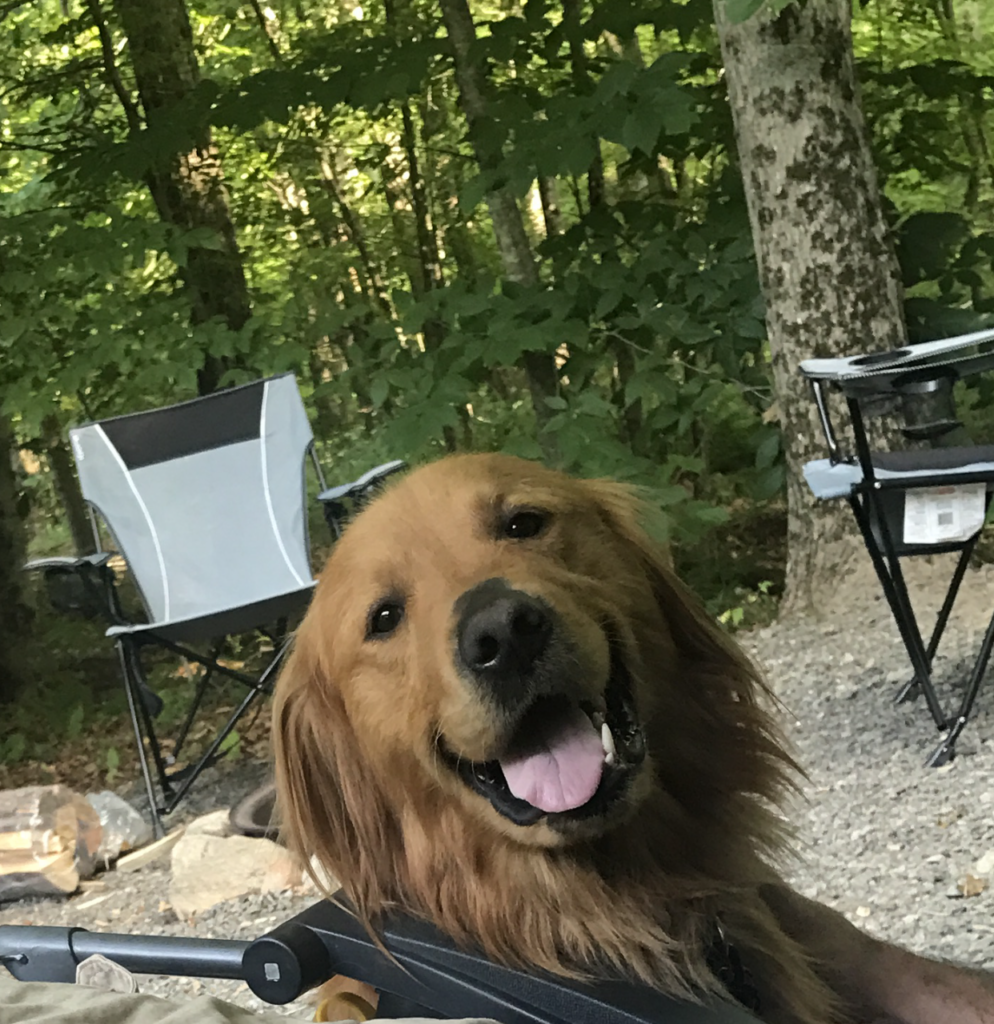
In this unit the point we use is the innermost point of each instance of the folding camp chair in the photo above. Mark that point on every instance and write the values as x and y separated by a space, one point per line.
206 502
929 500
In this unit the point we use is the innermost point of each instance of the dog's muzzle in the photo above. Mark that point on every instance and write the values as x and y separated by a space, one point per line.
567 755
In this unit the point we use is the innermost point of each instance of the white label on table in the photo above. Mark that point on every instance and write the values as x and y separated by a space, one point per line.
936 515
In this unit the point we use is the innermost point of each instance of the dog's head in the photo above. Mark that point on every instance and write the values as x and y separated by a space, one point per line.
496 643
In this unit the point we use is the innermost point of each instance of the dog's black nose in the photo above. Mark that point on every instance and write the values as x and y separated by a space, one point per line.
501 632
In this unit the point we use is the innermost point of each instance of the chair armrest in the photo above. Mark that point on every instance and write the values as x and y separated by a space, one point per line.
363 484
878 371
379 472
68 562
85 586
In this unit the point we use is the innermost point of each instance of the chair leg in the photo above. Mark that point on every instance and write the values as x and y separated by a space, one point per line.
920 659
142 689
197 700
946 750
208 757
134 707
912 690
895 590
188 778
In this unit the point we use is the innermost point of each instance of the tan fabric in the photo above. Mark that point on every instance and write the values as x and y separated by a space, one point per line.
35 1002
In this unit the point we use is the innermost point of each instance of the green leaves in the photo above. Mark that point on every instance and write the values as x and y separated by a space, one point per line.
741 10
71 324
641 129
632 106
337 69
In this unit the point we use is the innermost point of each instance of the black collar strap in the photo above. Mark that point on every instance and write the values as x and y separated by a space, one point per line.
726 965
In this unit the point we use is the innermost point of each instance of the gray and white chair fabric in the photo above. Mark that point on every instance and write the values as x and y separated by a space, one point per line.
929 498
206 501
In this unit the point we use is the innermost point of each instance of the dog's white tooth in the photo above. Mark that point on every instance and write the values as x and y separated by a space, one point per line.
609 760
607 742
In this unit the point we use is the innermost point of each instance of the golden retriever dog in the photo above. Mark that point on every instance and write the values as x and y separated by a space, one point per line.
504 714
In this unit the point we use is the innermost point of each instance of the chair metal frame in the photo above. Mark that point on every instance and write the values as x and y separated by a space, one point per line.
416 969
866 377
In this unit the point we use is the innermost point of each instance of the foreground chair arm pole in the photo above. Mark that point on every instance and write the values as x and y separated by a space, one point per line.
423 967
43 953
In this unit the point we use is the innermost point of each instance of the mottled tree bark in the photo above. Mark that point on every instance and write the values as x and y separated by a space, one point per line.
15 614
509 226
189 190
551 215
826 261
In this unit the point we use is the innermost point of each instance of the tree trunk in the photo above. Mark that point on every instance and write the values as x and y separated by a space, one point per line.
15 614
431 264
826 261
373 283
429 261
189 190
963 42
509 226
67 486
551 215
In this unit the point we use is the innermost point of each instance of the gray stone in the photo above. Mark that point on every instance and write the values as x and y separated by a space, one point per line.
209 869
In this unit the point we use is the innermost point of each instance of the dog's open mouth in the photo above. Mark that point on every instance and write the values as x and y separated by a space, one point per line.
565 760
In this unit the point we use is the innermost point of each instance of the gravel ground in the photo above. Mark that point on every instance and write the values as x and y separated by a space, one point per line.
882 838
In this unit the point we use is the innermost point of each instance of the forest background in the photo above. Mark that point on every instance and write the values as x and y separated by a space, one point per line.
194 195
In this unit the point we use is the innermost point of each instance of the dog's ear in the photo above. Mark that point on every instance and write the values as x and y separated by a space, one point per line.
695 632
723 700
330 809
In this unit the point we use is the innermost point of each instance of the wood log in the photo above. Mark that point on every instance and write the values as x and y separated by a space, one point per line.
49 837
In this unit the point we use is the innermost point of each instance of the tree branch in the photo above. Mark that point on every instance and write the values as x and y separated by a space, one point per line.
264 25
110 66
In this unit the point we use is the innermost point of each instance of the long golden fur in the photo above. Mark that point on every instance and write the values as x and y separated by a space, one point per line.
359 721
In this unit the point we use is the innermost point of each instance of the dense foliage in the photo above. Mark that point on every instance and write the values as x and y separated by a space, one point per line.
357 195
358 198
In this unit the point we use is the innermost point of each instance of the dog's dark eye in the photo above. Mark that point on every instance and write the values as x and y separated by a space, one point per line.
384 619
524 524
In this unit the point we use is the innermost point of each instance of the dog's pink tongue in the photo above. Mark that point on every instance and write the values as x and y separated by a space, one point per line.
563 769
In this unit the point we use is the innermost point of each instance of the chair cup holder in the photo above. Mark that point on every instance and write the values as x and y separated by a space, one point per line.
69 593
927 406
